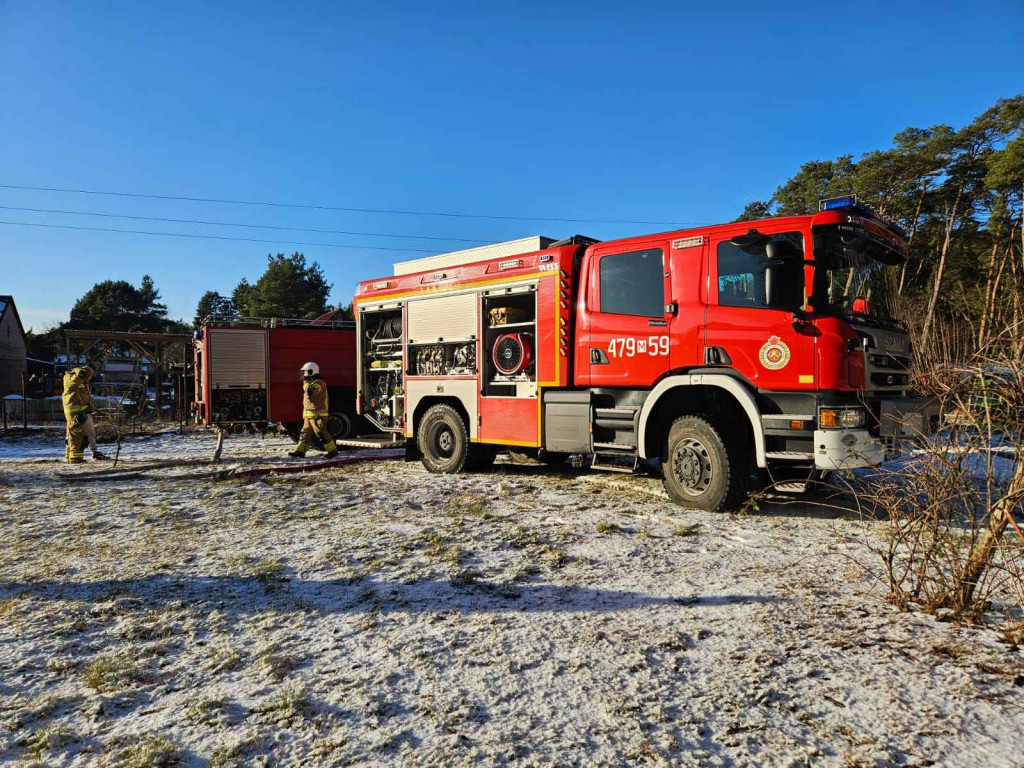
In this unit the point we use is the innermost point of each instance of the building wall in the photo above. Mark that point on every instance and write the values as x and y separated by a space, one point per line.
12 354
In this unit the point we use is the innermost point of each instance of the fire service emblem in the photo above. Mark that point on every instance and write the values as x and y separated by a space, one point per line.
774 354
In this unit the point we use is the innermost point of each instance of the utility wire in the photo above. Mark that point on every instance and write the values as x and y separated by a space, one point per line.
246 226
212 237
342 208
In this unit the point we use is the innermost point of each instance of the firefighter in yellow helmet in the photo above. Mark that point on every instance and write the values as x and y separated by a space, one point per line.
314 413
77 406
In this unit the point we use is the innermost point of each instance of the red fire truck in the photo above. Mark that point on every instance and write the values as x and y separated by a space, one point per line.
719 351
247 372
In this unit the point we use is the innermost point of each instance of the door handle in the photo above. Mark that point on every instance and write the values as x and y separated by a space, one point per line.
598 357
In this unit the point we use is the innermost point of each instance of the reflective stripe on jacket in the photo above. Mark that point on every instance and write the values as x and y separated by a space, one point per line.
314 399
76 397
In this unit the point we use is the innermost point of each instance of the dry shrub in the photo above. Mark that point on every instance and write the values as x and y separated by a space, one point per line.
954 542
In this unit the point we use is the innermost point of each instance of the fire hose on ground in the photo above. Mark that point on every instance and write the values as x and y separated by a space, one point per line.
142 471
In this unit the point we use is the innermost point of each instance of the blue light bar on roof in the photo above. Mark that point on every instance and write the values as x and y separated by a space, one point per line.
837 202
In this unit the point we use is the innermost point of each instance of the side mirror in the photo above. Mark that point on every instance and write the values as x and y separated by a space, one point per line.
784 284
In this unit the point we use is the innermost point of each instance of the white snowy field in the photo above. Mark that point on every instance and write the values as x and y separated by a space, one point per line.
374 614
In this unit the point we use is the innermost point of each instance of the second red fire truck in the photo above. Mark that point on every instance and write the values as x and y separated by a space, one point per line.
247 372
717 351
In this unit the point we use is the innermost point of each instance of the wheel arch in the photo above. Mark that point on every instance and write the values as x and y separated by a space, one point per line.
662 402
426 403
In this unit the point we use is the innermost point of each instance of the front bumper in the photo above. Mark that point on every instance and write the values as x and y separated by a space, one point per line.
847 449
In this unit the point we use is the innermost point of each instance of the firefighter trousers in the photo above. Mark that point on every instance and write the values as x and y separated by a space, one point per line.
315 427
74 442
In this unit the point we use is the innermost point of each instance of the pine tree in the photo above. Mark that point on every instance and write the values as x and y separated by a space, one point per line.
213 305
288 288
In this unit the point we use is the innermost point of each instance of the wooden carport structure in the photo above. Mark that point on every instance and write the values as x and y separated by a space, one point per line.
153 346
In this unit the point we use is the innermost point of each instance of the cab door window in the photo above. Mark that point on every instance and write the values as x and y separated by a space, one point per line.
744 264
633 283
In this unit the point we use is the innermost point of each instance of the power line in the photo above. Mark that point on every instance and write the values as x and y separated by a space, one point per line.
212 237
341 208
246 226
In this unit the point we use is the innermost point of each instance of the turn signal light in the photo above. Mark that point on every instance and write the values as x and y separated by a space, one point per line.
841 418
796 424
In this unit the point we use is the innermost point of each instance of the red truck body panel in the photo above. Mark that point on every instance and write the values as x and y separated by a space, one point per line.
334 350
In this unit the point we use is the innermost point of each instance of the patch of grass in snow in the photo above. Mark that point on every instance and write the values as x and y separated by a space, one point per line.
291 701
150 752
464 577
273 663
113 673
229 754
150 626
222 658
10 605
17 712
61 664
327 746
439 548
686 530
606 527
208 711
49 737
268 570
468 504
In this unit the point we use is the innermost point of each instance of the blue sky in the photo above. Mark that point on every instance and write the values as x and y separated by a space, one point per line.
668 112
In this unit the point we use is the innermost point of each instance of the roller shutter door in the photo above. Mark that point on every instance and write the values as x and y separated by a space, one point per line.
238 358
444 317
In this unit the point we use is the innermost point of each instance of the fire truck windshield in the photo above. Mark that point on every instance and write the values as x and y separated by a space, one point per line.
851 273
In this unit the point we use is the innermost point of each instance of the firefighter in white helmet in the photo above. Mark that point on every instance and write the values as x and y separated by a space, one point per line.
314 413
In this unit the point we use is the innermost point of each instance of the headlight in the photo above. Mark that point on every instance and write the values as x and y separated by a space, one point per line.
842 418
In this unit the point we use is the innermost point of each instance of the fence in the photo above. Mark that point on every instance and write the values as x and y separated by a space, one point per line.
130 414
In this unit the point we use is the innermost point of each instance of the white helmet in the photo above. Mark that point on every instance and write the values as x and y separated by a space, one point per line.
309 370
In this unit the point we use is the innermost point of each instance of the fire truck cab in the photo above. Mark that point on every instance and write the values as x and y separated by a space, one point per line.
716 351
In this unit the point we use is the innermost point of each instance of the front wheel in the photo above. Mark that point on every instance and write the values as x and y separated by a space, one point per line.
702 468
443 440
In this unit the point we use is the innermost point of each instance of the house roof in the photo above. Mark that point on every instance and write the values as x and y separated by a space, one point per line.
7 305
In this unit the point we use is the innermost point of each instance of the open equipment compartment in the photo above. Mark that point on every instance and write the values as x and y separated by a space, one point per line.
510 330
381 389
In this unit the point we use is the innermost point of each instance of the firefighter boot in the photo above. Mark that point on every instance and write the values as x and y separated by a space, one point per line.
100 457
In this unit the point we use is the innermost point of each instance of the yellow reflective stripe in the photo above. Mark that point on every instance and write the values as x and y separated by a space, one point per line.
313 414
76 408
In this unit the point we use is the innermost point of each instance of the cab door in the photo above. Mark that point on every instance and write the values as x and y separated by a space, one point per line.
628 298
761 337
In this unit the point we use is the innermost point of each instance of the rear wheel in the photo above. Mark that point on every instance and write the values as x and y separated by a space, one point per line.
339 425
443 440
702 467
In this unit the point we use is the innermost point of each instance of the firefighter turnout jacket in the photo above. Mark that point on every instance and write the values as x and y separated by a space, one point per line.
314 398
76 395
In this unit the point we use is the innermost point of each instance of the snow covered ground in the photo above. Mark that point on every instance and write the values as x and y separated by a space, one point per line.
374 614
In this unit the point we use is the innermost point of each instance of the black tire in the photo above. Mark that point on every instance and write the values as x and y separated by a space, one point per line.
339 425
480 457
443 440
702 468
293 429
